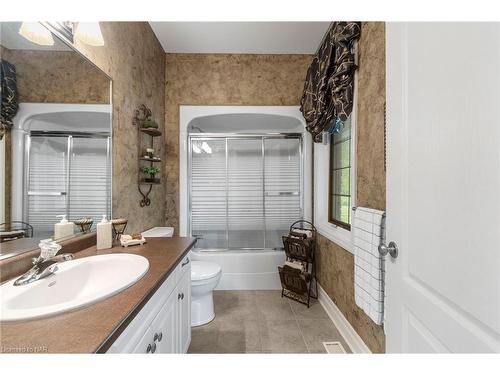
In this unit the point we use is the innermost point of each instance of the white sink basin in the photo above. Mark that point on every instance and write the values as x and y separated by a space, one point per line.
76 283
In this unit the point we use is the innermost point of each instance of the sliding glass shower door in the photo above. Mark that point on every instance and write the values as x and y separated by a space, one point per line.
66 175
47 182
245 191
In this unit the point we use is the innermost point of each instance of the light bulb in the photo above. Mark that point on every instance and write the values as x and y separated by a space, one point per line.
196 149
36 33
89 33
205 147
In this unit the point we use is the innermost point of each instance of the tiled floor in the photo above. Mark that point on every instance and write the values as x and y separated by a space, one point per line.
262 322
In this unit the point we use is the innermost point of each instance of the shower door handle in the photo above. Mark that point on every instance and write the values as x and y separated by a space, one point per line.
51 193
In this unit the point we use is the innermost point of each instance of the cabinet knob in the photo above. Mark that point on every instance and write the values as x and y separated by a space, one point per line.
179 296
148 350
185 263
153 349
159 336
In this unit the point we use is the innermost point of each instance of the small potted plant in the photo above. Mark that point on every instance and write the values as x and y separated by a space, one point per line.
149 123
151 172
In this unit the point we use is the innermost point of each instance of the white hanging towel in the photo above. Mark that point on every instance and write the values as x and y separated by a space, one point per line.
368 230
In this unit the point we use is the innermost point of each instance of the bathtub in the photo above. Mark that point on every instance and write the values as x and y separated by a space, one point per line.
241 269
245 270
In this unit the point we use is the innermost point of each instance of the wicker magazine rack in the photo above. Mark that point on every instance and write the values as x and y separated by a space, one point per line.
298 274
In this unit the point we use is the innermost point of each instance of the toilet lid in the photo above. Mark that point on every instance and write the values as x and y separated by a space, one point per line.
203 270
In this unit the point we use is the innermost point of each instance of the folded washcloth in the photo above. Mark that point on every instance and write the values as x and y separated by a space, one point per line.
295 264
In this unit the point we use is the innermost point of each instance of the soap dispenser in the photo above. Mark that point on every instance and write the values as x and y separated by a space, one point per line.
104 234
64 228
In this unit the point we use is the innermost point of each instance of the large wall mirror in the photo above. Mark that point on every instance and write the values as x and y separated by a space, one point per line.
55 154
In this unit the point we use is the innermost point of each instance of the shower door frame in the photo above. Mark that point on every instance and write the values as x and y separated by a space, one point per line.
69 136
239 136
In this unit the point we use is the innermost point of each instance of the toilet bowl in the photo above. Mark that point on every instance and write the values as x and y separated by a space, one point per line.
204 278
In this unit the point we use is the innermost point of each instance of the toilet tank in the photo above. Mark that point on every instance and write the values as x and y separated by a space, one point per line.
159 232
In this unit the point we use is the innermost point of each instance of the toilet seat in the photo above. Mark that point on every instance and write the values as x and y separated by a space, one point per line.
201 270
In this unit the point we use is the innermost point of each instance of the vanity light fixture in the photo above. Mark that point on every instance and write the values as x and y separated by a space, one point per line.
36 33
89 33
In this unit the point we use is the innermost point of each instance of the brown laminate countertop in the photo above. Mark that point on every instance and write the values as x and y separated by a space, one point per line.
93 328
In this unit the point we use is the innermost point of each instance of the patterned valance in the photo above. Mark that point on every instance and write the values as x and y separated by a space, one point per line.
8 95
329 87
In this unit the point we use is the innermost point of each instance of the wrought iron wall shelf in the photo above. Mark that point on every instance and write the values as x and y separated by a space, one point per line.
151 160
143 114
151 131
143 182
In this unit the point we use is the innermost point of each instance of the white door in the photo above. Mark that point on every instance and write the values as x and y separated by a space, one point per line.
443 187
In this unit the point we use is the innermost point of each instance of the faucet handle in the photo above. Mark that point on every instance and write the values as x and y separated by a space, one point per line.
48 248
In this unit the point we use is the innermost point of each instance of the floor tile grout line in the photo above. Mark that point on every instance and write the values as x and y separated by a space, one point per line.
302 335
259 320
298 325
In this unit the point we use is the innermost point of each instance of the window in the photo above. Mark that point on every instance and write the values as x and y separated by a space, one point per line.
339 199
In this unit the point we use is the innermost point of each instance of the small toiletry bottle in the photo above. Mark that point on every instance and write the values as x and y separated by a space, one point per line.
104 234
64 228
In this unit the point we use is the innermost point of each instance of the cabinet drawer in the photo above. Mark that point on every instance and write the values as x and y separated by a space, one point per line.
134 332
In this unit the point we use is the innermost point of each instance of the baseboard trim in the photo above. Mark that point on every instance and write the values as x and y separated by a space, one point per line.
351 337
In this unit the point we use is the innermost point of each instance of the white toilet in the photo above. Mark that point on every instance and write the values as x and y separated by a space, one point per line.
204 278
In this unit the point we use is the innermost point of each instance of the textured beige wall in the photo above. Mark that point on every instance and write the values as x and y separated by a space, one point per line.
135 60
336 265
371 117
57 77
221 79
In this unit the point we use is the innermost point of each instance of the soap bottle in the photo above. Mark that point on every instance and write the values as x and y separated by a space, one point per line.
64 228
104 234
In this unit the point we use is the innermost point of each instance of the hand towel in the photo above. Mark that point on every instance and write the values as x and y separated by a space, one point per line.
368 231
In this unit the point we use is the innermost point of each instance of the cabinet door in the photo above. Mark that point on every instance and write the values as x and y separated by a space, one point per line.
145 344
165 327
184 311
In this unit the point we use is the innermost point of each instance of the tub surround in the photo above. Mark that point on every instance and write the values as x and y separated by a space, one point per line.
94 328
223 79
335 264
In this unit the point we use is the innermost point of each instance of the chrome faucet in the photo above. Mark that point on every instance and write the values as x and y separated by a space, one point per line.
45 265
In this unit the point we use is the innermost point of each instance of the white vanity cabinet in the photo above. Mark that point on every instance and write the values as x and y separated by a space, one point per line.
184 287
164 323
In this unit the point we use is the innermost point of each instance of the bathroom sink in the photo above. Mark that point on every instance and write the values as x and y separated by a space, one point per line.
74 284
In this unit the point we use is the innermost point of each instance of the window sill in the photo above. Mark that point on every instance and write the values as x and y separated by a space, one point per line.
337 235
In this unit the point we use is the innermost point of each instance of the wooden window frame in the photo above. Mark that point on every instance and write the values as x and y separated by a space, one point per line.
332 220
